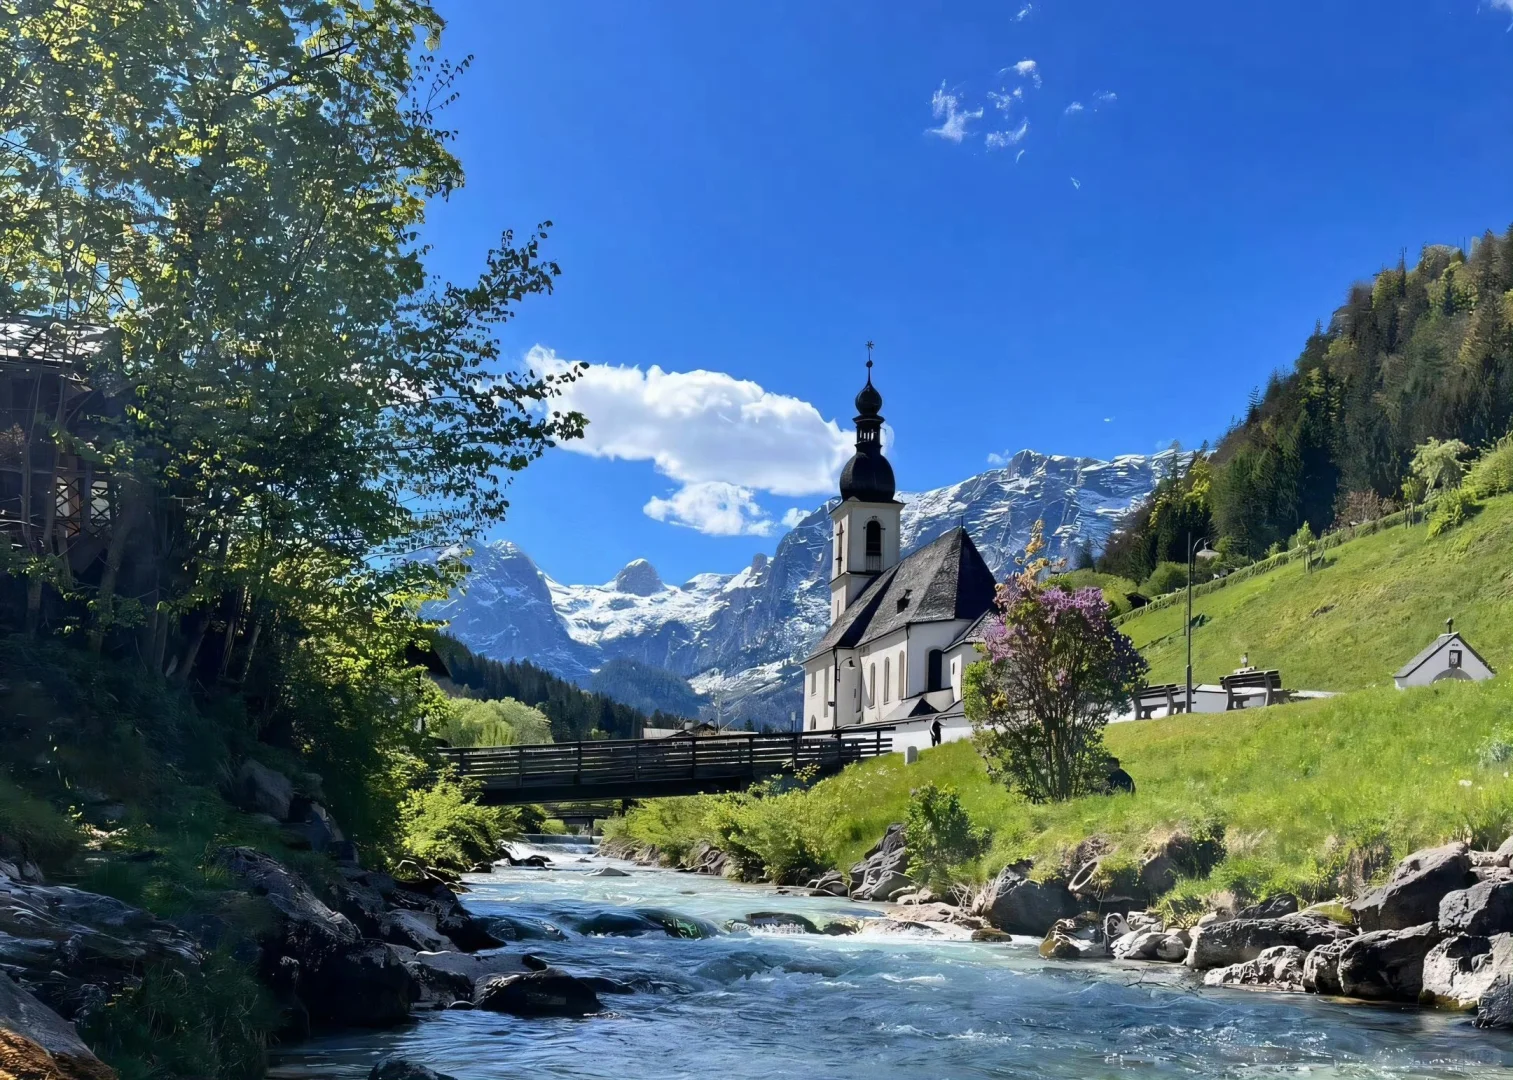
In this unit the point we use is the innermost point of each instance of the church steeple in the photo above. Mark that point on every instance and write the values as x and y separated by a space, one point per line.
865 538
868 476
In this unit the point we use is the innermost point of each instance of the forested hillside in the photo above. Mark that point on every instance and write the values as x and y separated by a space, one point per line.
574 713
649 689
1416 354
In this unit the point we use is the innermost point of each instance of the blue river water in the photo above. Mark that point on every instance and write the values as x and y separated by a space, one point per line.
754 1005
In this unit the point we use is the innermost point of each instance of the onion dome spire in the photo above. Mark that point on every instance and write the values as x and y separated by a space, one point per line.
868 476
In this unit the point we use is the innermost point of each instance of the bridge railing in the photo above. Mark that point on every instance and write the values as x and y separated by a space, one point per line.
644 761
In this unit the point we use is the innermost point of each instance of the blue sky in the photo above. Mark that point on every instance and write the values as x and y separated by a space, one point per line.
752 190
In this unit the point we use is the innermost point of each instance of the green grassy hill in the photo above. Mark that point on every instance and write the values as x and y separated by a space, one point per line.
1355 620
1304 795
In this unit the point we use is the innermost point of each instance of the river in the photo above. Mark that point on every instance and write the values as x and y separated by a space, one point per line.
875 1005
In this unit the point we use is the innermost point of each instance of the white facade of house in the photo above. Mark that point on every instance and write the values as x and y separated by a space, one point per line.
1447 657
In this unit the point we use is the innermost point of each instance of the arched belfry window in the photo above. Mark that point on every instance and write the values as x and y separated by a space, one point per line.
874 546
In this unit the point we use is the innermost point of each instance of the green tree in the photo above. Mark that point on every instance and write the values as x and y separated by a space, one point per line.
1438 463
240 194
498 722
1055 670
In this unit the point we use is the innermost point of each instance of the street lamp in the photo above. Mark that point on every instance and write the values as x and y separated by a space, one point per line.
1193 554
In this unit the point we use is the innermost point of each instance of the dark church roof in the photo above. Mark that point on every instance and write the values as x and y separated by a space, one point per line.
944 580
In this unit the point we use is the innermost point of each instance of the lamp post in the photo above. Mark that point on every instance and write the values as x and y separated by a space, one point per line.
1193 554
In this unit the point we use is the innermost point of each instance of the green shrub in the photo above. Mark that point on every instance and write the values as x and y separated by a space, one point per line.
1492 473
1166 577
445 826
767 830
1454 507
940 835
497 722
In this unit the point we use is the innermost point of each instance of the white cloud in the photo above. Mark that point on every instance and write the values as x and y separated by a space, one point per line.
1074 107
1077 183
794 517
997 460
1018 156
1024 12
997 140
714 508
946 107
1004 101
1025 69
1108 97
723 439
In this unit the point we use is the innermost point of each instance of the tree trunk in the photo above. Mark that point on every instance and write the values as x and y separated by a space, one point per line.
114 554
185 662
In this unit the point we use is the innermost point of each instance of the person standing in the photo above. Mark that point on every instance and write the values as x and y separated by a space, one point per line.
935 732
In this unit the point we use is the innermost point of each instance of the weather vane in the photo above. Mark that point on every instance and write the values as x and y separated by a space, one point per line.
869 358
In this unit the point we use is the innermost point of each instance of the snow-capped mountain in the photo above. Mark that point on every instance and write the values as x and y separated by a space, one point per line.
738 637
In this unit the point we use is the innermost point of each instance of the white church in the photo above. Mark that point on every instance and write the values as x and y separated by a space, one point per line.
902 631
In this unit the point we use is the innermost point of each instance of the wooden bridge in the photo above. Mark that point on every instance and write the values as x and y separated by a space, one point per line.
648 768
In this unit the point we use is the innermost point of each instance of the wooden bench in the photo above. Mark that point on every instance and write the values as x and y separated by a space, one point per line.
1241 685
1147 701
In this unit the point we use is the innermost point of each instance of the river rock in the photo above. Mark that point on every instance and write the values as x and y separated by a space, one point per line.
1387 965
1077 938
1484 909
1321 971
1277 968
608 871
1016 905
415 930
261 790
537 993
311 827
1460 969
831 883
1221 944
1273 907
1412 896
780 920
316 958
1503 856
396 1068
881 876
364 986
38 1044
1494 1009
75 949
705 858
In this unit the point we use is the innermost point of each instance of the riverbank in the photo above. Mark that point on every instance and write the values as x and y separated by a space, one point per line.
885 1001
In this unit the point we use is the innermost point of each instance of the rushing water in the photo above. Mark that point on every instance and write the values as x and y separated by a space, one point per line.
753 1005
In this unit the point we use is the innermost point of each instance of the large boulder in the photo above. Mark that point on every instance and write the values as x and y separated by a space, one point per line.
1017 905
1494 1009
38 1044
1078 938
1179 855
316 958
537 993
75 950
831 883
1277 968
1168 946
1460 969
261 790
1221 944
1387 965
1484 909
311 827
1412 896
881 874
366 986
1321 971
1273 907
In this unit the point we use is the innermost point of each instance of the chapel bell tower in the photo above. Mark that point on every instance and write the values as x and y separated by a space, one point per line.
864 538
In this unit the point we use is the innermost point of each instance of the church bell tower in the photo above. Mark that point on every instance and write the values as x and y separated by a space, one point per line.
865 526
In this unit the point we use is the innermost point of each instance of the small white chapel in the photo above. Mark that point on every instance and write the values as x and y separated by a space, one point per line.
902 630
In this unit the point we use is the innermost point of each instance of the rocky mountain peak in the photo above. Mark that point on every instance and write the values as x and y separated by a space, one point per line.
639 578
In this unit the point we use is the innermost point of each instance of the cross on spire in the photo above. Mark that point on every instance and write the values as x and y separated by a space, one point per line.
869 363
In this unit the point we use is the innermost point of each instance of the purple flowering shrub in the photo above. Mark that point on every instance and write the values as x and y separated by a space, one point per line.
1054 670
